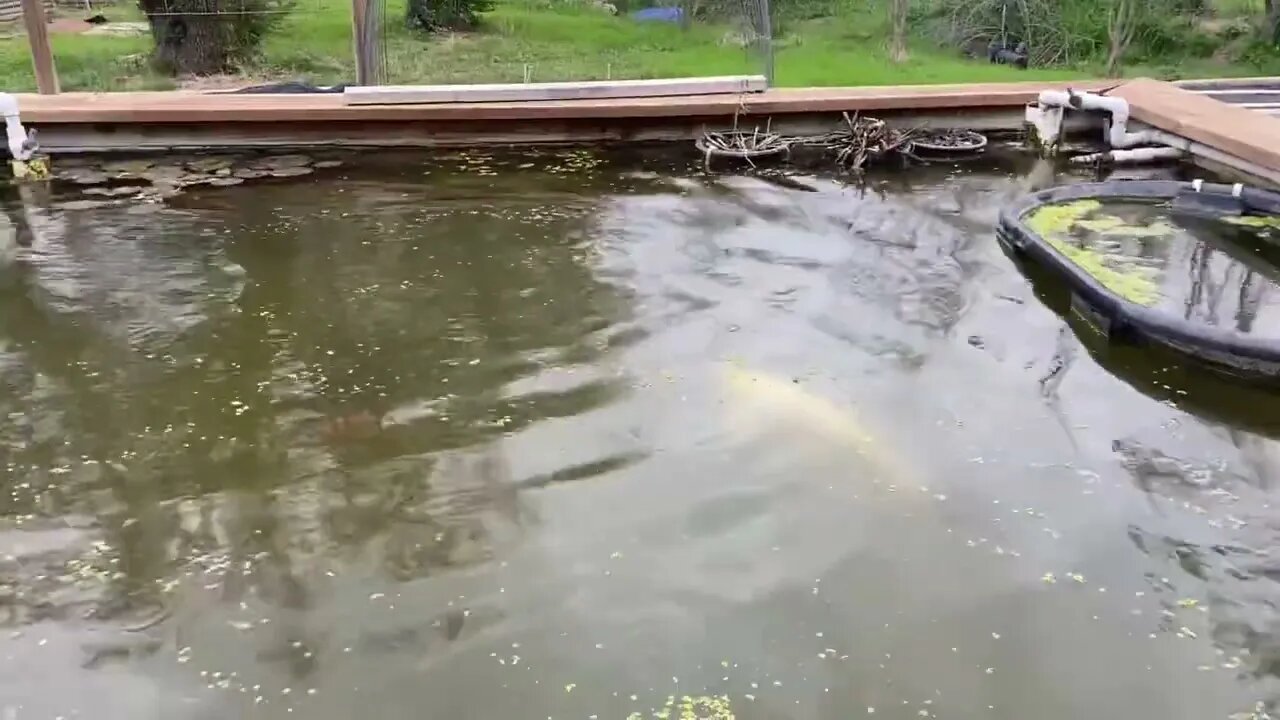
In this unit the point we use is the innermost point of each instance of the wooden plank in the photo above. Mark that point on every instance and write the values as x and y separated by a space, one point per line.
207 108
1234 130
41 54
1221 84
133 137
516 92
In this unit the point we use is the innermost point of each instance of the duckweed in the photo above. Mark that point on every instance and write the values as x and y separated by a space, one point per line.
1049 220
703 707
1055 224
1132 284
1112 225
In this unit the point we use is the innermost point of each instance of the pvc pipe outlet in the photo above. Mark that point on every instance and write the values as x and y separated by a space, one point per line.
1135 155
21 144
1117 110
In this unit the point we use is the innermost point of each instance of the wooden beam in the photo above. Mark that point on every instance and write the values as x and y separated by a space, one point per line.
1230 130
41 54
1223 84
202 108
57 138
516 92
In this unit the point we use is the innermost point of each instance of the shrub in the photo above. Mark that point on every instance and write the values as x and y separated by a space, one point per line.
1063 31
437 15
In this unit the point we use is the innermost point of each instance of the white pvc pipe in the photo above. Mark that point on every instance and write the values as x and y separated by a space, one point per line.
1119 127
1118 136
1135 155
21 145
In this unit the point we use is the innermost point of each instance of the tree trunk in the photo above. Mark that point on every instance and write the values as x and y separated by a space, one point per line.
1115 54
1119 32
1273 21
191 38
898 32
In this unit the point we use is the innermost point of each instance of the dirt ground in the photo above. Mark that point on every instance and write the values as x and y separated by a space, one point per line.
221 82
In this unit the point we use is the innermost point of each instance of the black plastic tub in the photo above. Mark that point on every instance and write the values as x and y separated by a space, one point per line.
1162 373
1120 320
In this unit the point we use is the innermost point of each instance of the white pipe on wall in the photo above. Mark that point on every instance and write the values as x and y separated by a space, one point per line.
21 144
1118 136
1043 115
1134 155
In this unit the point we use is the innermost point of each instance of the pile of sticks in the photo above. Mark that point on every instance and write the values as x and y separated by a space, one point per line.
741 144
863 139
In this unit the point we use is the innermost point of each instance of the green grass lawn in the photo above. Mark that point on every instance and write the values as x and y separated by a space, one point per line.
572 42
556 39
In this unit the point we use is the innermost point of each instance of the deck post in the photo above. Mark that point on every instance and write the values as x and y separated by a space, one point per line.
41 54
766 29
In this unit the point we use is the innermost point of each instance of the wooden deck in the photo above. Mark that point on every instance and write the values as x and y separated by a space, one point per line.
160 120
1232 129
204 108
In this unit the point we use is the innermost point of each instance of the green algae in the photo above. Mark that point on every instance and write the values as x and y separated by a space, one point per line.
1132 284
1058 223
1049 220
703 707
1112 225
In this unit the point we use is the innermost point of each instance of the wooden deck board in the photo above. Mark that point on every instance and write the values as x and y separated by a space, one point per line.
191 107
148 120
1238 131
517 92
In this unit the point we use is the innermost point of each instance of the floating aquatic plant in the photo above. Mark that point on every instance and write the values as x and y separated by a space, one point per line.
1049 220
1055 223
703 707
1132 284
1112 225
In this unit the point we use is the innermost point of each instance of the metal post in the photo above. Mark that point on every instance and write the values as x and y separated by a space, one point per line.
766 29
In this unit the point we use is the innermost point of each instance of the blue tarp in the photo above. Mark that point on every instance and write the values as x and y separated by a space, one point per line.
659 14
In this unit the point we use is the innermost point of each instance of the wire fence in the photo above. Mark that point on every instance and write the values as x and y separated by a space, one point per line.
422 42
529 41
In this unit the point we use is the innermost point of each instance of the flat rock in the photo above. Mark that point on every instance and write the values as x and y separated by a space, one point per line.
164 174
84 176
127 167
209 164
281 161
290 171
83 204
113 191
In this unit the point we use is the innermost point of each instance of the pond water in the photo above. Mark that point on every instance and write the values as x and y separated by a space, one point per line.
599 436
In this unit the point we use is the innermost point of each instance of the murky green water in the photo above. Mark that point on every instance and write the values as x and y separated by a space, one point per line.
569 437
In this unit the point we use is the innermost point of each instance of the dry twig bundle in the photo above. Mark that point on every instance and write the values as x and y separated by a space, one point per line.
863 139
741 144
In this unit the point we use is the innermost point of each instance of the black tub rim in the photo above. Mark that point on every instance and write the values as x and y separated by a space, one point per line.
1262 355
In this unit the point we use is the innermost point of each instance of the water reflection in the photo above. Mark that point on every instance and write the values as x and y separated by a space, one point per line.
452 435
